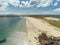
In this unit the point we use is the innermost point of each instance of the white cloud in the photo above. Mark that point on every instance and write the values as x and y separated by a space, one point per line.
58 0
30 12
14 2
57 10
31 3
25 4
43 3
37 3
55 4
3 4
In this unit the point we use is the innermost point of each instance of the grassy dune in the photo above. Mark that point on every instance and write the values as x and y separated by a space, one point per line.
52 22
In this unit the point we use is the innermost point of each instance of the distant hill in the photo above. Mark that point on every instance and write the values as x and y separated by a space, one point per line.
13 15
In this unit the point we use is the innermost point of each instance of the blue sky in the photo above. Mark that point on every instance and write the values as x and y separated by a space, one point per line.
27 7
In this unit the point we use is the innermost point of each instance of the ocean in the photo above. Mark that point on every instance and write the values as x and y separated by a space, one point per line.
13 30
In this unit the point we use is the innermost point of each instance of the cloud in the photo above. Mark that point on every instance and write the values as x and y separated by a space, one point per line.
57 10
58 0
55 4
37 3
14 2
30 12
25 4
3 4
42 3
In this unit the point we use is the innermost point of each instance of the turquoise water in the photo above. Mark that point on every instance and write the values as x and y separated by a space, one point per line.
7 25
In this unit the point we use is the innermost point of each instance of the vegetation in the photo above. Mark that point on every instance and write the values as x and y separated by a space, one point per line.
52 22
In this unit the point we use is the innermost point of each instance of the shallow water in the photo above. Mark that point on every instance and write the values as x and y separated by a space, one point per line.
13 29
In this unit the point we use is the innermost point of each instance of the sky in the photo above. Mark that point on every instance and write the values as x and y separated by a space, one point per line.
30 7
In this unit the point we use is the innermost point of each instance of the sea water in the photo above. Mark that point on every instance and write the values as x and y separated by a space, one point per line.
13 30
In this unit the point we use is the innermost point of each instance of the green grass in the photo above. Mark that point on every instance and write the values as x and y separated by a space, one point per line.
38 17
54 23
